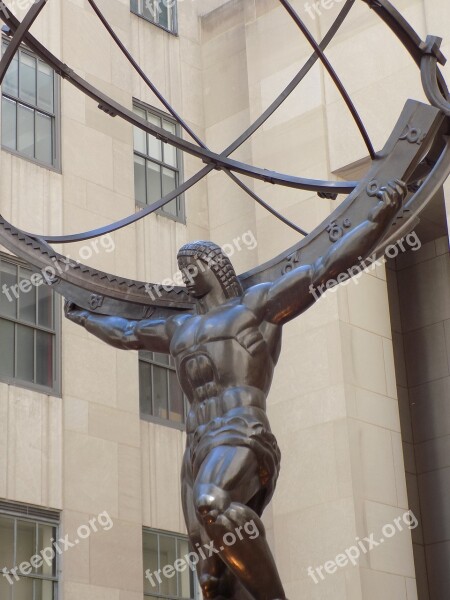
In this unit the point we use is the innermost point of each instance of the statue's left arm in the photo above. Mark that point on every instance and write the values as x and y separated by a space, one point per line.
296 291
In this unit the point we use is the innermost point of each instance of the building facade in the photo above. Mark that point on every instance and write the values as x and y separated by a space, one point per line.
91 438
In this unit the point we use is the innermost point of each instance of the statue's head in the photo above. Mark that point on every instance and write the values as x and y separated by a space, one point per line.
199 262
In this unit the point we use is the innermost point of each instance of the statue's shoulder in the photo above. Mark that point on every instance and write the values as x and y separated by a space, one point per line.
255 297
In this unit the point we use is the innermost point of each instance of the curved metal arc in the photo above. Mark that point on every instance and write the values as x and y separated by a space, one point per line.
294 15
429 73
183 123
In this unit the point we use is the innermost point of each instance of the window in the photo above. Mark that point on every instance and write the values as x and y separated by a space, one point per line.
29 107
161 396
159 12
163 550
156 165
28 336
22 538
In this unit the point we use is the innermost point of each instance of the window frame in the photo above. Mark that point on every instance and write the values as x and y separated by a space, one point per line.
54 391
56 166
173 31
37 516
181 217
154 418
177 536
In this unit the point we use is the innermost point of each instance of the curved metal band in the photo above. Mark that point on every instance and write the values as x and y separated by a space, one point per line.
429 73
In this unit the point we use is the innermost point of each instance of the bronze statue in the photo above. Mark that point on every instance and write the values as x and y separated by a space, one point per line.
225 354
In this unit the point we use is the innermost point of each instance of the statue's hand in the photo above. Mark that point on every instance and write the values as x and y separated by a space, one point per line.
74 313
390 200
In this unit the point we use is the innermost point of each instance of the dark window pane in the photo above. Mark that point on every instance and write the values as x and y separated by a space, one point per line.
8 294
9 139
25 130
23 589
153 182
161 358
160 397
176 399
170 152
139 179
27 298
5 589
11 82
6 540
145 388
134 6
45 306
6 350
167 556
44 138
150 550
163 14
27 78
149 10
25 353
44 358
45 534
43 590
26 541
45 87
185 579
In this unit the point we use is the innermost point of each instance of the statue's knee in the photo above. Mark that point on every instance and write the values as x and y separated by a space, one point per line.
210 502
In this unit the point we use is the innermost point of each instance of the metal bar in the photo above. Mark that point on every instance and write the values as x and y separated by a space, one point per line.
333 75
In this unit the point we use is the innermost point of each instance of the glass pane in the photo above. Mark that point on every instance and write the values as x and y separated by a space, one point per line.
27 78
25 130
45 535
153 182
185 579
149 10
6 350
45 88
11 81
145 388
161 358
45 306
5 589
154 145
9 108
44 138
25 354
9 294
170 152
6 537
27 297
150 549
44 358
167 557
176 411
134 6
43 590
169 181
140 144
163 14
139 179
160 398
26 541
23 589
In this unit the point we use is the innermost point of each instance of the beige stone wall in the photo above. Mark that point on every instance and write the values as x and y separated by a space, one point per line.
333 403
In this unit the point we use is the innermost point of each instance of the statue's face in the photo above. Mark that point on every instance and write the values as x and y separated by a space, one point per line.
198 278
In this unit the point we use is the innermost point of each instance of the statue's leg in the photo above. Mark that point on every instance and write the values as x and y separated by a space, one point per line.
215 579
228 479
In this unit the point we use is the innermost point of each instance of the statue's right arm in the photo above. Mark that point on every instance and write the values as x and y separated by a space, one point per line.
125 334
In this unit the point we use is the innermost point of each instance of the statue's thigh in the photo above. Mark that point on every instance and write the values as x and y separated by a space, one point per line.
232 469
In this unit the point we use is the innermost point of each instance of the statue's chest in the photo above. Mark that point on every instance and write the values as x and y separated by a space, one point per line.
218 325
